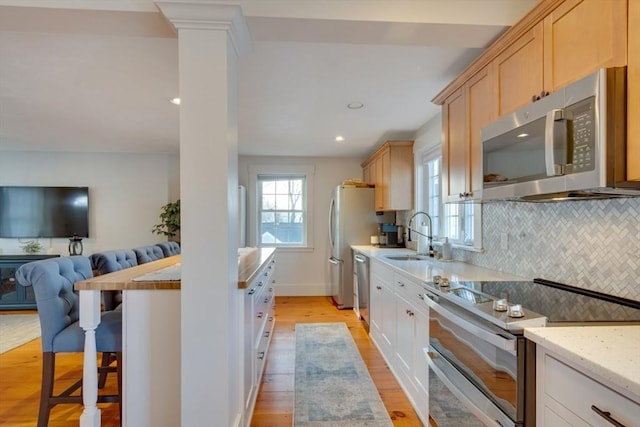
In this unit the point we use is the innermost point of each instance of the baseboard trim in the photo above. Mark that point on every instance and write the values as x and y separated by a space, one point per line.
306 290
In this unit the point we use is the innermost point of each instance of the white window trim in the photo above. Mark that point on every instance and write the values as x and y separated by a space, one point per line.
420 158
252 218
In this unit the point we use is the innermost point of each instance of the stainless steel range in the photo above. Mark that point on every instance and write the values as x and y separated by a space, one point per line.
482 369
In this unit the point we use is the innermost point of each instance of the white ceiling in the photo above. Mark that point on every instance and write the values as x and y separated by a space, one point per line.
97 75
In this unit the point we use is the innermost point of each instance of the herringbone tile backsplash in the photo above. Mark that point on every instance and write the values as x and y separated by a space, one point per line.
590 244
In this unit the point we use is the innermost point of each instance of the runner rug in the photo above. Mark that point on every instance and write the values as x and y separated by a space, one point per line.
332 384
17 329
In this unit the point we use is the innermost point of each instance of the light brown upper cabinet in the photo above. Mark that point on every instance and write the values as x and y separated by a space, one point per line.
576 38
518 71
390 169
464 113
581 36
556 43
633 93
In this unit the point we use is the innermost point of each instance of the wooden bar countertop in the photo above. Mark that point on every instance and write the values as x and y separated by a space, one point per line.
123 280
248 268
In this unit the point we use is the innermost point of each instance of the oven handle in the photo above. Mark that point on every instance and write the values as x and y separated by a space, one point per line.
439 364
508 344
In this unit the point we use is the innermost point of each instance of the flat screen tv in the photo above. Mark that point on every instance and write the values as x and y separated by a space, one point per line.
44 212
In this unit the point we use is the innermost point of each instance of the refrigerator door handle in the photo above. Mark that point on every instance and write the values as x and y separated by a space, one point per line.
332 206
334 260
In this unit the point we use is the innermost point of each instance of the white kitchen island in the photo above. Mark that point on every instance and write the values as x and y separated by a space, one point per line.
150 343
151 337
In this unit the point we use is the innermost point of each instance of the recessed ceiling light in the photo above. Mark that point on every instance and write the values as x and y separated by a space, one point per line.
522 135
175 101
355 105
339 138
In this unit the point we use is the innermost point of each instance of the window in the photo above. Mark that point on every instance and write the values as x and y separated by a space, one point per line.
280 206
458 222
281 210
434 200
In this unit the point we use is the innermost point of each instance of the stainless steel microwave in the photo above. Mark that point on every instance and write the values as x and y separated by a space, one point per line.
570 144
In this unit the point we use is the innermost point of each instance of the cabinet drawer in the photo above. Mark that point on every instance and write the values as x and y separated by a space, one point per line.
577 393
381 270
263 342
410 289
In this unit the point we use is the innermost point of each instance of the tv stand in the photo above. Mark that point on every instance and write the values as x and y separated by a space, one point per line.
12 295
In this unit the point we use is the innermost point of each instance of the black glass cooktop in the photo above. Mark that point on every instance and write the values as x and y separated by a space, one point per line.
560 302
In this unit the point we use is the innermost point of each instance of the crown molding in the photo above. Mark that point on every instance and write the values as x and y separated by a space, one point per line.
209 15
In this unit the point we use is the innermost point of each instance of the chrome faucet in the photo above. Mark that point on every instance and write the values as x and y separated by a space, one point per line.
429 236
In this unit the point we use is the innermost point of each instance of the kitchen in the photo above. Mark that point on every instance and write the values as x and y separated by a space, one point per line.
581 231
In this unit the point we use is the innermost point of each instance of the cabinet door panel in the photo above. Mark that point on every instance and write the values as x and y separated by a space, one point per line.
581 36
380 190
404 338
482 110
633 90
454 152
518 71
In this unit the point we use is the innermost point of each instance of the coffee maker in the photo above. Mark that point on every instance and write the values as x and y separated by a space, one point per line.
390 236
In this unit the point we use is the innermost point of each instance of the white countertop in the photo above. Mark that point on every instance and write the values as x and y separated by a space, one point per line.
610 352
424 270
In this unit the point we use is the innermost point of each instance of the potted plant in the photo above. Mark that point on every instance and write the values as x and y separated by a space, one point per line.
169 220
32 247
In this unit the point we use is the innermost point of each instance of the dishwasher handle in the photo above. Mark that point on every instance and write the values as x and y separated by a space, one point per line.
360 258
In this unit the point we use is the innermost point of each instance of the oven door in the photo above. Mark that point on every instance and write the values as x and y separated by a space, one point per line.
478 363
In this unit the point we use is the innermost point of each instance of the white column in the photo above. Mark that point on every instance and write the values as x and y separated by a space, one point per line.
210 38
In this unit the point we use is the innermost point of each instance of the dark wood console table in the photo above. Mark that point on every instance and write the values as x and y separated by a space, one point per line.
12 295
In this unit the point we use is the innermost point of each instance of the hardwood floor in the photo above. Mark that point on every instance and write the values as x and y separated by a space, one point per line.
274 406
20 371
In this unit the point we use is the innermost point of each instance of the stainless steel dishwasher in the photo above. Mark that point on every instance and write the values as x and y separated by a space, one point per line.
362 277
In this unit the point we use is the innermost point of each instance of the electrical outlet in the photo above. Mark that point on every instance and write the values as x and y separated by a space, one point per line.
504 241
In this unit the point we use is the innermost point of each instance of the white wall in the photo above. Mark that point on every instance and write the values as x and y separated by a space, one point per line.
126 191
306 272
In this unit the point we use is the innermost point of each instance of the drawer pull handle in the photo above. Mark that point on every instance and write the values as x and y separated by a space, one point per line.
401 284
378 287
252 291
266 334
259 315
261 355
260 283
606 415
266 300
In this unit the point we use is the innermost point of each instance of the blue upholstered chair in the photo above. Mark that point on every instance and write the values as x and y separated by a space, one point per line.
169 248
108 262
59 310
146 254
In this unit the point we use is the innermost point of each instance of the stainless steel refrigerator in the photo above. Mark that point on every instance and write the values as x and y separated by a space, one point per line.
352 221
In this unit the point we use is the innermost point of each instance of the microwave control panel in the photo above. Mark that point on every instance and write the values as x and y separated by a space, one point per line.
584 135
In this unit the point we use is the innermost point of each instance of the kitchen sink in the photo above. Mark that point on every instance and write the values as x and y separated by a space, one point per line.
408 257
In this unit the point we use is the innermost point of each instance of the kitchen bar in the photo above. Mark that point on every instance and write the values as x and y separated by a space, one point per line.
151 335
